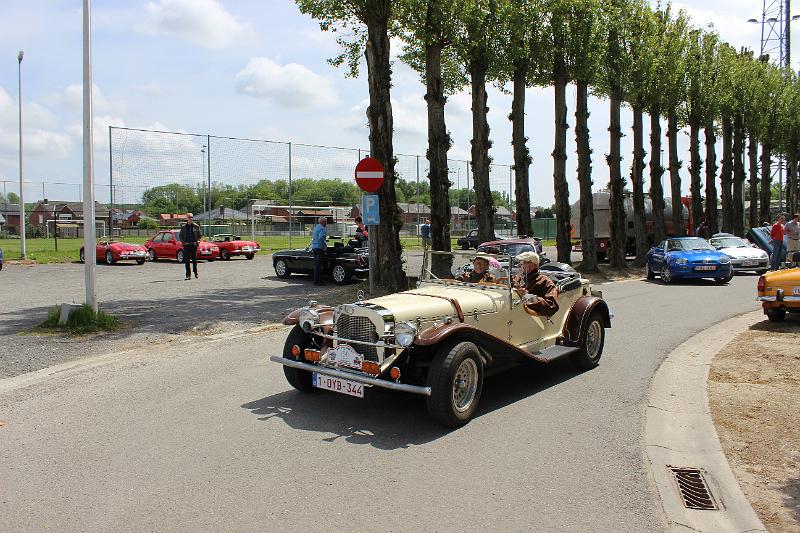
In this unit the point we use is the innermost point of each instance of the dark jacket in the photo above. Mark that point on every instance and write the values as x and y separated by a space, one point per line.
543 287
186 228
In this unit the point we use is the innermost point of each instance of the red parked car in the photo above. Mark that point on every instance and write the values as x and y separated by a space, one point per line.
113 251
166 244
230 245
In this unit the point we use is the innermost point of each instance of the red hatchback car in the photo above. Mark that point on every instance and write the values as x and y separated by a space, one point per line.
230 245
166 244
113 251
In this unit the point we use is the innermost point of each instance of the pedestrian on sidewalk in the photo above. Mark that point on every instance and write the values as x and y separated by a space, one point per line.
190 237
776 241
425 231
792 231
319 246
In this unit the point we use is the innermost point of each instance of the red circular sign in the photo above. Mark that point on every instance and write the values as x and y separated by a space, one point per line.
369 174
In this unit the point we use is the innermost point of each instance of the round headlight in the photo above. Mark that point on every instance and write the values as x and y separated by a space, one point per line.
681 261
724 260
307 319
404 333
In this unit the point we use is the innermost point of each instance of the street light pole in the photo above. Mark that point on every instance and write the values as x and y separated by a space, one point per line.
21 186
88 162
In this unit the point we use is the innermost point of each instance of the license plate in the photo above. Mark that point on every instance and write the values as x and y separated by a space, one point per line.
749 263
706 267
205 252
343 386
345 355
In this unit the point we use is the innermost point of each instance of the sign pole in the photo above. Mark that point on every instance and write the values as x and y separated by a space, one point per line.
88 164
369 178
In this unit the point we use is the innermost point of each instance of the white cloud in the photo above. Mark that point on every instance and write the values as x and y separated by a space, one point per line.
292 85
153 89
71 98
203 22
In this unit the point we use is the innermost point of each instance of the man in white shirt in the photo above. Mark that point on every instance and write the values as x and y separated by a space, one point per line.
792 231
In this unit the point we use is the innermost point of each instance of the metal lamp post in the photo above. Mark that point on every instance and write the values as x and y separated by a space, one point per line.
21 186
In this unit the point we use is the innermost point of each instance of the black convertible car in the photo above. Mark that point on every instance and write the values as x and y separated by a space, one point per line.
342 263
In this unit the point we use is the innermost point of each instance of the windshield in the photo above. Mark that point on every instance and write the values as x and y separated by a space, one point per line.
507 249
457 267
729 242
688 244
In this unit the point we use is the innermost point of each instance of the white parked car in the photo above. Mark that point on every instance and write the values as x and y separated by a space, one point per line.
744 256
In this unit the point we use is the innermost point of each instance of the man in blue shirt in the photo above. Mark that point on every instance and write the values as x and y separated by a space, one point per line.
425 230
319 247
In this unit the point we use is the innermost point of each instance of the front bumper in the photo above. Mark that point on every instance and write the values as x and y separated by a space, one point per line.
688 271
760 264
351 376
133 255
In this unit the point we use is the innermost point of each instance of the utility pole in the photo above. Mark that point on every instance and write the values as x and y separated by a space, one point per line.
21 186
88 162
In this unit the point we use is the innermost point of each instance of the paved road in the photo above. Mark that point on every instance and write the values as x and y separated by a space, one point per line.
211 437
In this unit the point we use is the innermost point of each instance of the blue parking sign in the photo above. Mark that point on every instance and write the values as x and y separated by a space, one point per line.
369 210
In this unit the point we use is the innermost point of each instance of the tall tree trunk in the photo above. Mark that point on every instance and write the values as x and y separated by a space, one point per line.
712 216
637 178
752 153
656 172
694 171
522 157
616 205
791 180
560 186
674 174
616 202
480 150
590 258
438 145
766 183
726 175
738 176
388 250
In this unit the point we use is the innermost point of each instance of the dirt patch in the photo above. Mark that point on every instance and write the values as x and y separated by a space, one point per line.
606 274
754 392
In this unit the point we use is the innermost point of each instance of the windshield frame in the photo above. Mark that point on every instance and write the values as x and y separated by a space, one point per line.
505 271
742 242
685 243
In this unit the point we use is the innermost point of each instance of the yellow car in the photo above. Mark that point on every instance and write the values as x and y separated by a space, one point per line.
779 292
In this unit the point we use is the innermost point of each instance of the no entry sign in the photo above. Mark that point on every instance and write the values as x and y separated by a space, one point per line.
369 174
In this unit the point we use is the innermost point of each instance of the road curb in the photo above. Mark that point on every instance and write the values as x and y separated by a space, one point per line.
680 432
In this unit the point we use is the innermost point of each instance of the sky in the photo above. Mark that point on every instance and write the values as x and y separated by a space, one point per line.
254 69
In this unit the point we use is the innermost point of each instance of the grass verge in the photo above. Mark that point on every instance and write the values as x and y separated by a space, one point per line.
81 320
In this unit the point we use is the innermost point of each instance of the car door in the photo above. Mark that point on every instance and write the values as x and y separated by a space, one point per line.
657 257
531 331
169 246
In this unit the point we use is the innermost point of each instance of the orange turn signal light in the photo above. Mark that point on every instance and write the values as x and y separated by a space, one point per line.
371 368
394 373
311 355
296 351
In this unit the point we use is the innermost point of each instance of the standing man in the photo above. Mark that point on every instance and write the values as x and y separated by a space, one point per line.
425 231
190 236
792 231
319 247
776 241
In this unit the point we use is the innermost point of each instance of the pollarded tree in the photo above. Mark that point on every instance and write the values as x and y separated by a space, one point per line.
520 62
477 48
788 136
774 83
429 29
709 106
585 51
695 110
370 20
727 63
753 89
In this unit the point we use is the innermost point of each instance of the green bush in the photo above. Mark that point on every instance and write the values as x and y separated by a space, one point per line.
81 320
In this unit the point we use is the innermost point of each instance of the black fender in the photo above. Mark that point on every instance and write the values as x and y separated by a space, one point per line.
581 310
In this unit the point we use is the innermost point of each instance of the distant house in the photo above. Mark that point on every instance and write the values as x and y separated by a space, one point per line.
170 219
411 213
46 213
11 214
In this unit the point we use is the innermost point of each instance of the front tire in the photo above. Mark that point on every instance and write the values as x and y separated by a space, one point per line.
666 275
82 256
151 255
723 281
179 256
140 261
224 255
341 275
299 379
281 270
776 315
249 257
592 342
456 382
109 258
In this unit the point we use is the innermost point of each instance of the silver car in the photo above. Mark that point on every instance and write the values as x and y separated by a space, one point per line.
744 256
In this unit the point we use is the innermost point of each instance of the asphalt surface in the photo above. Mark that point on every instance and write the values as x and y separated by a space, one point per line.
209 436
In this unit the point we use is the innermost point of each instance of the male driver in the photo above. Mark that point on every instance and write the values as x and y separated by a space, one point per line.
190 236
319 247
792 231
480 270
537 290
425 231
776 241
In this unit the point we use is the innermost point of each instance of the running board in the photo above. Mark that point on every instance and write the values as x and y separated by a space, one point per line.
549 355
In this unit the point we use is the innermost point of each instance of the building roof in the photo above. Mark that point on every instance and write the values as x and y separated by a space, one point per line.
9 209
222 213
100 211
415 208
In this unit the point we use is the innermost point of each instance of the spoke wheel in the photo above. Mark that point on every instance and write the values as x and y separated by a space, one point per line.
592 342
281 269
340 275
224 254
109 258
465 385
179 256
666 275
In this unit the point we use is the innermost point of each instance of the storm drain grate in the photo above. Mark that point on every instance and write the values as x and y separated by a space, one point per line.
694 491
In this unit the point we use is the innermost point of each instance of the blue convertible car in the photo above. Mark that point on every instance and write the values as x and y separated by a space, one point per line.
688 257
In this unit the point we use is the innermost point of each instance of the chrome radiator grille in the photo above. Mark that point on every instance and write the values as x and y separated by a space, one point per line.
358 328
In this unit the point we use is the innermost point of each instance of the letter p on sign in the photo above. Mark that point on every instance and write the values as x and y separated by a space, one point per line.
369 210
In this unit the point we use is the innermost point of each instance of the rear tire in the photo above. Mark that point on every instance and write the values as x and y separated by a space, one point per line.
456 382
776 315
592 341
341 275
109 258
601 257
140 261
650 274
82 256
299 379
224 255
249 256
151 255
179 256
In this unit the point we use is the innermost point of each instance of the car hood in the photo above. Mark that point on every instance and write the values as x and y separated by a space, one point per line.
697 255
743 253
433 301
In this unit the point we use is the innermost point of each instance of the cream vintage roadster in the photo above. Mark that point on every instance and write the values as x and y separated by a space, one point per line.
441 339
